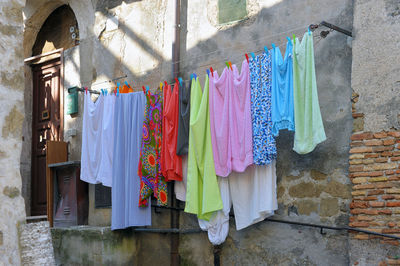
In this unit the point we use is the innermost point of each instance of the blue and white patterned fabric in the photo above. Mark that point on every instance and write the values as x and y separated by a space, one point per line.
264 146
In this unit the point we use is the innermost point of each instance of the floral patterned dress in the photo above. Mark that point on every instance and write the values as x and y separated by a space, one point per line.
264 147
151 179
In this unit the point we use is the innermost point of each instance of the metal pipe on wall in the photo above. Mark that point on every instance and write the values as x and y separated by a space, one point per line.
175 260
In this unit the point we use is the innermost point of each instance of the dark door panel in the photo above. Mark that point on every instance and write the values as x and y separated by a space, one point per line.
46 125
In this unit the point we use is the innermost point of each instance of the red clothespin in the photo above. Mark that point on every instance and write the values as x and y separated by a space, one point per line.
176 81
212 71
230 64
166 84
144 89
86 90
247 57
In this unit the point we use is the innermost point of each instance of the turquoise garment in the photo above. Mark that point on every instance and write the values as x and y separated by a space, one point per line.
203 196
282 90
309 127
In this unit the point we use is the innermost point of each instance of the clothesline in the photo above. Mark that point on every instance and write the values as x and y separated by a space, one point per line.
237 60
225 48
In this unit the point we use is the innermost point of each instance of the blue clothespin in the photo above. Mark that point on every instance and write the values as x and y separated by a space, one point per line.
208 72
253 55
289 40
309 32
194 75
118 91
105 92
180 81
191 76
266 49
126 83
147 88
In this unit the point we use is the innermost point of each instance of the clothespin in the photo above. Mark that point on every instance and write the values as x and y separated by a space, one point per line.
230 64
212 71
144 90
309 32
86 90
289 40
266 49
294 38
166 84
247 57
208 72
118 91
227 64
177 81
147 89
194 75
180 81
273 45
161 85
253 55
126 83
102 91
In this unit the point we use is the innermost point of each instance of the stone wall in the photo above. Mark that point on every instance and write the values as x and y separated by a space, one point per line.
374 156
36 244
12 209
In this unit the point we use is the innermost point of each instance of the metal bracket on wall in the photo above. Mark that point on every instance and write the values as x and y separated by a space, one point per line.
331 26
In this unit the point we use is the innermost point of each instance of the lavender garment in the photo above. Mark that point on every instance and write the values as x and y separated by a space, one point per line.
219 99
129 116
241 132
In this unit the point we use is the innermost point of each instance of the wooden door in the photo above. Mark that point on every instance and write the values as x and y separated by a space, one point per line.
47 125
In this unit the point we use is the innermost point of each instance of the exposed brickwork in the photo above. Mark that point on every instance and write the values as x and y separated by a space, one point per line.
375 173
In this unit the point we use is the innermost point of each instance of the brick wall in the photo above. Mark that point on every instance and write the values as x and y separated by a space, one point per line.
375 173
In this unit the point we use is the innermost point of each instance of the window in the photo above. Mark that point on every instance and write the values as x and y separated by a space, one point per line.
231 10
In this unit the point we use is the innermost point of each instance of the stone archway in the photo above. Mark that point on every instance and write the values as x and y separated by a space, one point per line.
36 13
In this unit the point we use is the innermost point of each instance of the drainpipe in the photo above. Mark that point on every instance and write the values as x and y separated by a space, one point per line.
175 261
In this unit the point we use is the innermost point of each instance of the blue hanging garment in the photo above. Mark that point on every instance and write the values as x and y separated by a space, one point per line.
128 123
264 147
282 90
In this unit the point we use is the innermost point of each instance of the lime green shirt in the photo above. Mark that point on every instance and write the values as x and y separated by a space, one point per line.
309 129
202 195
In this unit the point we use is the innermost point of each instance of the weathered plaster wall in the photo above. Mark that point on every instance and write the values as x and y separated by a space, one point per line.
375 70
12 209
375 143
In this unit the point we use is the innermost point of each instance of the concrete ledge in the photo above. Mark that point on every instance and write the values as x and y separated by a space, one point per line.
87 245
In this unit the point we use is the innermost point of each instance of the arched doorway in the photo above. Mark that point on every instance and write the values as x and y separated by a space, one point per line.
59 31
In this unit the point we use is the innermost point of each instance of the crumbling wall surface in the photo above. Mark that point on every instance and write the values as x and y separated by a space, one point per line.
12 208
375 143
